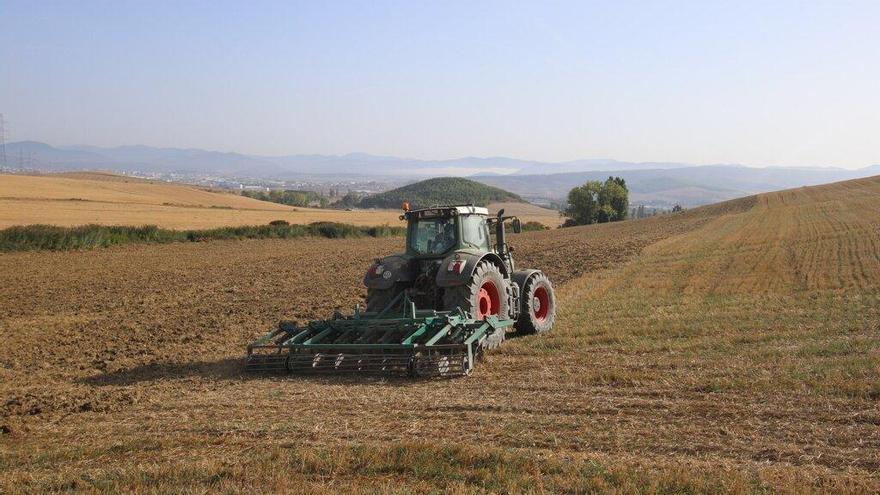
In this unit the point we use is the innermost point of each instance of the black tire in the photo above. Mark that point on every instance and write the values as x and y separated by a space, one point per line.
468 297
538 306
378 299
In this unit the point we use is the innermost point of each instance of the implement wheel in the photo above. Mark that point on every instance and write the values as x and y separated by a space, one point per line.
485 294
538 311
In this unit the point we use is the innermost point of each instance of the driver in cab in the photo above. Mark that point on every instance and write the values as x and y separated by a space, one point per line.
445 237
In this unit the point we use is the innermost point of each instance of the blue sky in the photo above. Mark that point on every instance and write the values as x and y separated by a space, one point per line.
760 83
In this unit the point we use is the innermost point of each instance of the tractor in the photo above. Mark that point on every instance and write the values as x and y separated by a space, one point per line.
432 310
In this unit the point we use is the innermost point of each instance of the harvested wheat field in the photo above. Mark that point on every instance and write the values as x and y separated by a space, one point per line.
107 199
527 212
727 349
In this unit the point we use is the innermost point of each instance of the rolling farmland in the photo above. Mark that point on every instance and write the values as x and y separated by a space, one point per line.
729 348
106 199
91 197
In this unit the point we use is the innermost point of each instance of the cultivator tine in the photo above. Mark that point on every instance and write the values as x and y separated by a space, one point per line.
348 362
267 363
441 366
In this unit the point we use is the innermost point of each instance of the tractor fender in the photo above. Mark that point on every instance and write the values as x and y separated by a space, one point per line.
520 277
448 275
387 271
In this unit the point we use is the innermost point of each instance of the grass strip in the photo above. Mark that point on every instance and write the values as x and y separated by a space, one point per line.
51 237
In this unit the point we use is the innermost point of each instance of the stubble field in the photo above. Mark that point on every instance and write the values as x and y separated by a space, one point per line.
731 348
106 199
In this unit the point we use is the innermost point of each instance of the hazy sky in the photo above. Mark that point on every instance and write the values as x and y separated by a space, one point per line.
761 83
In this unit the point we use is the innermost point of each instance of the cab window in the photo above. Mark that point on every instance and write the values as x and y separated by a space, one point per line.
432 235
474 232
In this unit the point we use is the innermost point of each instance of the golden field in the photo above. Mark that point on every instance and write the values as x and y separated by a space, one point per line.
733 348
106 199
528 212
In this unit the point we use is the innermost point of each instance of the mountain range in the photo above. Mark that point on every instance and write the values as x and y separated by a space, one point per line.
42 156
652 183
686 186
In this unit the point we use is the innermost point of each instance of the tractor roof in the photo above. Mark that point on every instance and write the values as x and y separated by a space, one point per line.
446 210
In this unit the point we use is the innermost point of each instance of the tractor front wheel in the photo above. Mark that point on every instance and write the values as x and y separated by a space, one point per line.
484 295
538 310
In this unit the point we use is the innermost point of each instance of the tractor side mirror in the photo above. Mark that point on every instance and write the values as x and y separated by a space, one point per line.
517 226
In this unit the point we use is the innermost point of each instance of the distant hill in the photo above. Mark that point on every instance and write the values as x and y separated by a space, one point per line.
439 191
691 186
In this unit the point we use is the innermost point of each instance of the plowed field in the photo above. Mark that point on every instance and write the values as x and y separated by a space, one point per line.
731 348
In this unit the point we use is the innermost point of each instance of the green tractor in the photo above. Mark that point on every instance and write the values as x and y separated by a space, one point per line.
450 262
432 310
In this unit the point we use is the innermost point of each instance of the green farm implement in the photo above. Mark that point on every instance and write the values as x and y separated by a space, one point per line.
416 343
431 311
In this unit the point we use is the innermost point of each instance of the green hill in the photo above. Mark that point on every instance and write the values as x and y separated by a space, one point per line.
439 191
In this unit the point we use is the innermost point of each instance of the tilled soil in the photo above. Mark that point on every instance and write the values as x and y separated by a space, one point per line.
73 320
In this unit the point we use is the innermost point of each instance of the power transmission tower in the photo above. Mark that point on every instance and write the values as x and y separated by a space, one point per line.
2 142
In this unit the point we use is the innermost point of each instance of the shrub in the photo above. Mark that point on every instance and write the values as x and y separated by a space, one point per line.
527 226
385 231
533 226
33 237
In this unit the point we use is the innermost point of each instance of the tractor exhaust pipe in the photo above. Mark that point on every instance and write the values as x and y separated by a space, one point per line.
500 235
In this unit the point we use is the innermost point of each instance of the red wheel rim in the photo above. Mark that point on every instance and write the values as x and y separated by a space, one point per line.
488 300
541 304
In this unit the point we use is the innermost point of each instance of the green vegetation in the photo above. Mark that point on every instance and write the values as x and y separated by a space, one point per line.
597 202
34 237
289 197
439 191
350 200
528 226
643 211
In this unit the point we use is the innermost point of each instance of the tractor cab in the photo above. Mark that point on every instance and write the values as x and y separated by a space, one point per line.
435 232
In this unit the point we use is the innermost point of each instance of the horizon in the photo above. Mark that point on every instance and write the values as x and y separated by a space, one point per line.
786 84
464 173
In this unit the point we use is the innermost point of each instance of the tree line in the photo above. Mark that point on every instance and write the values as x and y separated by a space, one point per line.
289 197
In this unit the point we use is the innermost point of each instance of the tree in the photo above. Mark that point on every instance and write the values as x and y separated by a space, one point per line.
617 196
598 202
583 203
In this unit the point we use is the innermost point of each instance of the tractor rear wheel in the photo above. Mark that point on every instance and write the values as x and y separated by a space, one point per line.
538 311
484 295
